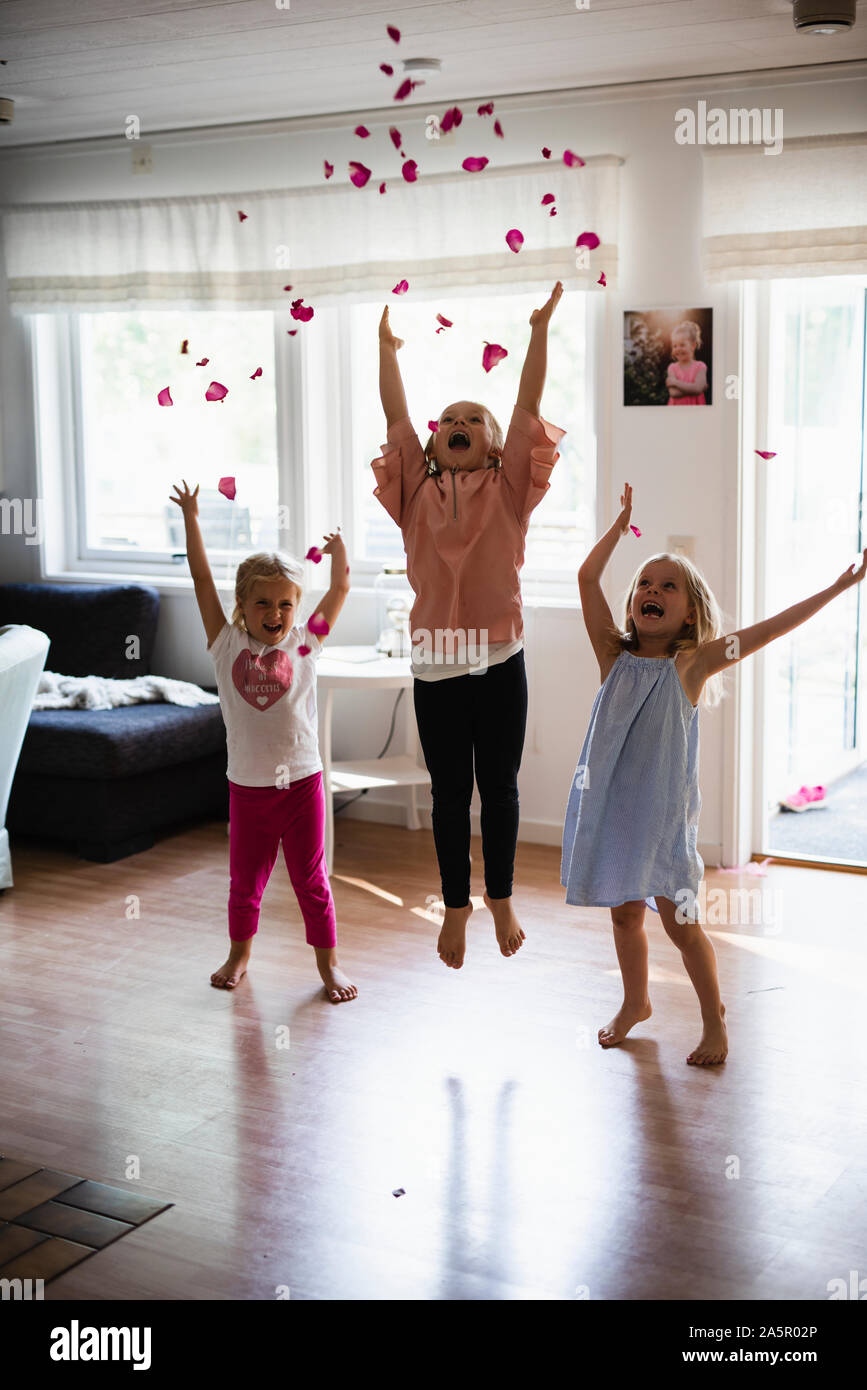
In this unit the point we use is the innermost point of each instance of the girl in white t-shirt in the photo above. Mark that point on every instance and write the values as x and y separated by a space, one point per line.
266 678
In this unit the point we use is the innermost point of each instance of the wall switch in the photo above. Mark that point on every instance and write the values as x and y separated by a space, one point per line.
682 545
142 159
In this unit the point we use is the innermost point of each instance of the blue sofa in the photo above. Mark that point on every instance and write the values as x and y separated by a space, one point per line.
106 782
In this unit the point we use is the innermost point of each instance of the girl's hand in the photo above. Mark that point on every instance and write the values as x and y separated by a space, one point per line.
541 316
626 504
186 500
674 390
334 543
851 575
386 337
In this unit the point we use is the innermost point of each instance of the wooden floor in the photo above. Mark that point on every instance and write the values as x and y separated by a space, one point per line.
535 1165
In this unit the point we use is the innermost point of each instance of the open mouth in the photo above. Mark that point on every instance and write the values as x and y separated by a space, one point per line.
651 610
459 439
272 627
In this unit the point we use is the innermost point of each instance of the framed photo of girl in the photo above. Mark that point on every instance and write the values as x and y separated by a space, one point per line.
667 356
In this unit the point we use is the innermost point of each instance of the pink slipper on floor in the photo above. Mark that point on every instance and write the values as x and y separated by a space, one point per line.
806 799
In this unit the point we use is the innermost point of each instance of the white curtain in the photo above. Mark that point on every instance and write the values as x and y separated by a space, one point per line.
327 242
801 212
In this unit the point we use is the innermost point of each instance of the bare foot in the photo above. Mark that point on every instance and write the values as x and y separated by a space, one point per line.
510 937
452 942
234 968
714 1044
625 1018
338 986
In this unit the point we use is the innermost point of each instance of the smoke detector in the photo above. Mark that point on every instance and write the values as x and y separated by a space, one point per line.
823 16
7 110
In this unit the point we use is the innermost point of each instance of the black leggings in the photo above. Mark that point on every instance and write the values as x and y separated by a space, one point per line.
462 719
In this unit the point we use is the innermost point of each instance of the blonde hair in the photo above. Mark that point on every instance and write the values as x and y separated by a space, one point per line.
689 329
707 627
496 440
265 564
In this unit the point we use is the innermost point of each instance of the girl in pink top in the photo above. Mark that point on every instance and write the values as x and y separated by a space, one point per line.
463 504
686 379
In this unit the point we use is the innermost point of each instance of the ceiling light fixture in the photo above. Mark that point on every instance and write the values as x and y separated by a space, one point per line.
823 16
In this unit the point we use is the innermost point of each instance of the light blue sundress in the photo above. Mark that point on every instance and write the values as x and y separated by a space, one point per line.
632 817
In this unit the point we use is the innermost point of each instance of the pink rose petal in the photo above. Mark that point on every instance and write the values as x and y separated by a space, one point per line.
452 117
546 153
588 239
552 212
242 217
303 649
474 164
286 287
486 109
359 173
433 426
548 198
216 391
318 626
406 87
446 323
602 281
395 137
362 132
492 354
258 372
204 362
387 69
314 554
301 311
573 160
401 287
185 345
514 239
392 32
329 168
382 188
227 487
410 171
763 455
635 529
165 397
498 130
291 332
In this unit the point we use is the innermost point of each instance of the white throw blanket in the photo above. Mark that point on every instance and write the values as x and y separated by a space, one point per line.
98 692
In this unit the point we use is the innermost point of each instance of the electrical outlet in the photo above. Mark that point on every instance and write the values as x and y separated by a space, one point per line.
142 159
682 545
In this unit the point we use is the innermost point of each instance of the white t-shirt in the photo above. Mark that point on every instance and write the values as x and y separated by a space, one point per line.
268 698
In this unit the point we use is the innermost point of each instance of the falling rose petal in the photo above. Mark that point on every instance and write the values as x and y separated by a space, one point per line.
474 164
291 332
318 625
399 1192
446 323
287 287
382 188
387 69
302 312
204 362
359 173
401 287
406 87
548 198
492 354
602 281
185 345
164 397
552 212
303 650
546 153
486 109
635 529
764 455
314 554
362 132
453 117
410 171
392 32
329 168
216 391
395 137
588 239
514 239
242 216
227 487
258 372
573 160
498 130
433 426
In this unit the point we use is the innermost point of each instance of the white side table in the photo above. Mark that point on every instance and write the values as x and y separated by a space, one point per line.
401 770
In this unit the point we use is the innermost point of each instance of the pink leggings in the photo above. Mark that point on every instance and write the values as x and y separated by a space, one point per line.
259 819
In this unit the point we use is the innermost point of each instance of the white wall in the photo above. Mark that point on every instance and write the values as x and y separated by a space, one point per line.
683 465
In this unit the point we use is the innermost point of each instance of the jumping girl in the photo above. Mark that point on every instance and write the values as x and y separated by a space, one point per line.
463 504
686 379
632 817
267 689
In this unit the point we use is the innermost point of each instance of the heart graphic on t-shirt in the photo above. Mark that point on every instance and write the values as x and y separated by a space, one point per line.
262 680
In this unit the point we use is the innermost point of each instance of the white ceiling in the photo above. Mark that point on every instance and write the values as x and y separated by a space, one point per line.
79 67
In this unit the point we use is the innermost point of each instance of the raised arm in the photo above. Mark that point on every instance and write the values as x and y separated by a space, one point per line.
391 391
594 605
207 597
536 362
721 653
335 598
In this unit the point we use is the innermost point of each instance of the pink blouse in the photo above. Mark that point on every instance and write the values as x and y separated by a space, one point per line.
682 371
464 531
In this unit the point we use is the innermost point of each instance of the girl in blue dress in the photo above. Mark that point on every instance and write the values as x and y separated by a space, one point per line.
630 837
